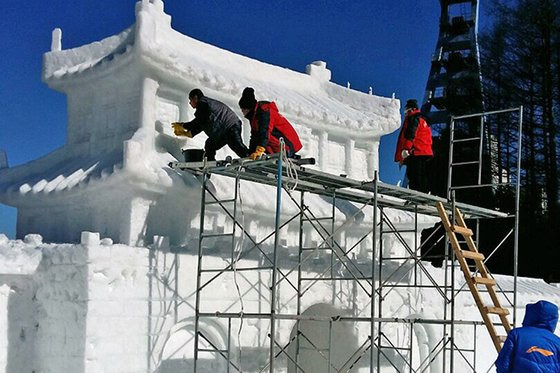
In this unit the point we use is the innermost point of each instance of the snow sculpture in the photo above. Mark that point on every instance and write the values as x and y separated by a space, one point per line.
123 91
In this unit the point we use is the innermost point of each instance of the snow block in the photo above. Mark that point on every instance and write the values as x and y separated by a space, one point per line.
106 242
318 70
33 239
3 239
89 238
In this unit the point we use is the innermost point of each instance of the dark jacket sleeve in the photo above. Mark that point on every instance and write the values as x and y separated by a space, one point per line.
201 116
506 355
263 120
413 122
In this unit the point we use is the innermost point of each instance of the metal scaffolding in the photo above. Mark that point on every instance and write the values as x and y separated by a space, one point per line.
287 279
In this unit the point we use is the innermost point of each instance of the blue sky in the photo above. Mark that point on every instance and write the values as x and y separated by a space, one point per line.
383 44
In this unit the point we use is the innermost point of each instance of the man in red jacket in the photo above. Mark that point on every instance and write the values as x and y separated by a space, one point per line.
267 127
414 147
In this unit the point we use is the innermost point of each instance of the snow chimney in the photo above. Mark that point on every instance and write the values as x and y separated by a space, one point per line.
318 70
56 43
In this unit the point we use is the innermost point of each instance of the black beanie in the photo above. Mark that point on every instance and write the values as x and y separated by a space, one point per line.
196 92
247 100
411 104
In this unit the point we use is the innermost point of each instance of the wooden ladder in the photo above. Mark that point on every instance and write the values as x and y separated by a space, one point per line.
473 281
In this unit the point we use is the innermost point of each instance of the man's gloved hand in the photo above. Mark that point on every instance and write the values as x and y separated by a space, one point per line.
257 153
179 130
404 154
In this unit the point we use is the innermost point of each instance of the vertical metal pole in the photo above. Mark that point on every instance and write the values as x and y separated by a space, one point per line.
450 161
480 146
274 264
176 290
452 331
330 344
332 245
373 254
474 349
229 346
416 245
150 308
380 288
199 268
234 263
410 344
301 243
516 235
234 218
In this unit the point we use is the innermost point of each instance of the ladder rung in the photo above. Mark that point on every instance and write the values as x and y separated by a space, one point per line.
497 311
467 254
466 139
484 280
464 163
461 230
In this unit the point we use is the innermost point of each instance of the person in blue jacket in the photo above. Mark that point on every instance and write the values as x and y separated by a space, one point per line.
534 347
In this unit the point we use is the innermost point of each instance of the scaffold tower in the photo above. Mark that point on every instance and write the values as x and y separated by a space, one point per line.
282 329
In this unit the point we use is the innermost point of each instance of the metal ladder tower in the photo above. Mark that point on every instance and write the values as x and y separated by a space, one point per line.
454 85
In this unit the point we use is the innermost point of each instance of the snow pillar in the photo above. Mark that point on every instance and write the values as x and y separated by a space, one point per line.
148 112
348 159
324 151
56 42
372 160
134 217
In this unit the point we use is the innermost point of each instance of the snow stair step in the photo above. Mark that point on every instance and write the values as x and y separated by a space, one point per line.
484 280
467 254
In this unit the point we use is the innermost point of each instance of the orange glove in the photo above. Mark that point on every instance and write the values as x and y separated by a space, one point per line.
257 153
179 130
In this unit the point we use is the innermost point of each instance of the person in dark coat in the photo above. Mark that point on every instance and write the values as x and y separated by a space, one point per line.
217 120
267 127
534 347
414 147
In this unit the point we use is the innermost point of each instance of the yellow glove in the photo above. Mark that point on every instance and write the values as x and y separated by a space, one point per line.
179 130
257 153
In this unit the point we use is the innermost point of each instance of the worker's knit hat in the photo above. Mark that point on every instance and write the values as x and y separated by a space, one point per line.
247 100
411 104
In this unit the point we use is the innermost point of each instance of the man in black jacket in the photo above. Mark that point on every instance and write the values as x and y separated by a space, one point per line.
217 120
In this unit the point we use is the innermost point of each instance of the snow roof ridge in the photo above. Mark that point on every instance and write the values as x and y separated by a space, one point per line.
60 63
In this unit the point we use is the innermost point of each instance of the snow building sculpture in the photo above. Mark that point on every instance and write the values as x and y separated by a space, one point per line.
93 306
122 93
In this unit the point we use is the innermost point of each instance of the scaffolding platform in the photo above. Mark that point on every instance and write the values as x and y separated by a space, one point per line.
317 182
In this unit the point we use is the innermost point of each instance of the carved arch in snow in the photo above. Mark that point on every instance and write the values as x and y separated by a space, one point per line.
319 341
177 353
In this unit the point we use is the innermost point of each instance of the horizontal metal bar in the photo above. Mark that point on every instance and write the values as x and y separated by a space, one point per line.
466 139
214 270
464 163
334 278
483 114
210 350
233 315
400 231
221 201
480 185
318 219
210 235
